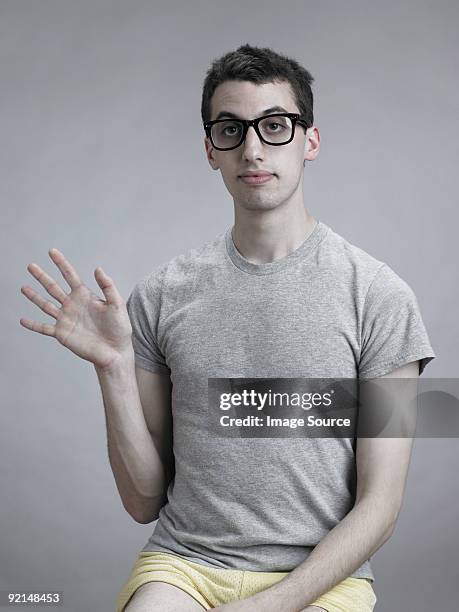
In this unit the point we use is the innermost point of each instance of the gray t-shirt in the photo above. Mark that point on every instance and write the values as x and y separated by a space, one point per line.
328 309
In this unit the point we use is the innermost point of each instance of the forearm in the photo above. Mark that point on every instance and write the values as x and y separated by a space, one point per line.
135 462
344 549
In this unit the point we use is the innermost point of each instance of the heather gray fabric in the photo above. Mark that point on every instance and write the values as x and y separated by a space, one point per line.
328 309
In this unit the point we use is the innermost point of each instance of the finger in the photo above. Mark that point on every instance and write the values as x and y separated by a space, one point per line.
47 282
41 328
46 305
108 286
66 268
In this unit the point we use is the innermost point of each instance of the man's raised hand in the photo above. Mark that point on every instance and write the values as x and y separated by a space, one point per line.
96 330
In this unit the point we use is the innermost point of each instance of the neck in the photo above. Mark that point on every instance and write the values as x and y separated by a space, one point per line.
264 236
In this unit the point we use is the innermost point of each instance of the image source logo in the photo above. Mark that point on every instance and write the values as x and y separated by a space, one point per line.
333 407
279 407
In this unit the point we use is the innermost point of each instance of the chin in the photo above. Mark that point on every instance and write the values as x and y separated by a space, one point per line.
258 202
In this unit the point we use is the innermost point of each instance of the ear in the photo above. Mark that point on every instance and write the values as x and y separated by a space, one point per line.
210 152
312 144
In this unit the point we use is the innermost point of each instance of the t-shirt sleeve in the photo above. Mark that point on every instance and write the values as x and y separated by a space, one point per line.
393 333
143 306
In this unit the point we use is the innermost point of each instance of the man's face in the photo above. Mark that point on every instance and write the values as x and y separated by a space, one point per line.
248 100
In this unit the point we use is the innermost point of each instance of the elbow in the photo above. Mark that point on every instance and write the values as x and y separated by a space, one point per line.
394 516
148 512
390 530
145 520
383 515
390 525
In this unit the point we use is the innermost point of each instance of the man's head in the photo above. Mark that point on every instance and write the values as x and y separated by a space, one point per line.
246 83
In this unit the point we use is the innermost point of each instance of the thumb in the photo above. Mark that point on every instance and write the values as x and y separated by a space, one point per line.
108 286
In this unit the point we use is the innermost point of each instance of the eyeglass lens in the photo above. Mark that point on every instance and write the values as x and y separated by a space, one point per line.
228 133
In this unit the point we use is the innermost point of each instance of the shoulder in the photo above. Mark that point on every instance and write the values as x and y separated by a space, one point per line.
388 283
372 275
185 267
196 259
349 256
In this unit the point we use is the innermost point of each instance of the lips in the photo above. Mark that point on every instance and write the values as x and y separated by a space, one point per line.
257 173
256 178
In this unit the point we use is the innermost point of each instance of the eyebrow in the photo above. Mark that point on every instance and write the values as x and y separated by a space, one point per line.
273 109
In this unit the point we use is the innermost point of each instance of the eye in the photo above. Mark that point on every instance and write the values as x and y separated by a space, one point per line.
227 130
275 125
272 128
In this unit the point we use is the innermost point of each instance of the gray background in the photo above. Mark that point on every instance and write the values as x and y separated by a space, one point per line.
102 156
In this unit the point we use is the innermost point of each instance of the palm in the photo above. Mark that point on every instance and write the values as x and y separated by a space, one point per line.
90 327
94 329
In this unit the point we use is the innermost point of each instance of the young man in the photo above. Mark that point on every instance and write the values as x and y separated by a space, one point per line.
257 523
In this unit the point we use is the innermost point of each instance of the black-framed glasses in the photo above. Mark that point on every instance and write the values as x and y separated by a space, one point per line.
276 129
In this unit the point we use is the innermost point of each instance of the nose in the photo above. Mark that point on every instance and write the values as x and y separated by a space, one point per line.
252 146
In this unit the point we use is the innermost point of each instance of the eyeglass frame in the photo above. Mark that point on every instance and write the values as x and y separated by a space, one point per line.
246 123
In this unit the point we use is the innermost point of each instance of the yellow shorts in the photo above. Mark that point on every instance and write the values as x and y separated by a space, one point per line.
212 586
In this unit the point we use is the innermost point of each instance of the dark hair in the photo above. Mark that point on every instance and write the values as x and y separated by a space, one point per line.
259 65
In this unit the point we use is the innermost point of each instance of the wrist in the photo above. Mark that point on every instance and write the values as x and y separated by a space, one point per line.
120 364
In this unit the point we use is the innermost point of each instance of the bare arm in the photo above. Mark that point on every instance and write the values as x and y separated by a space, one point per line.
137 413
137 403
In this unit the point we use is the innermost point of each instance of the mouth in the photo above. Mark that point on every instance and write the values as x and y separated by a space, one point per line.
253 178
